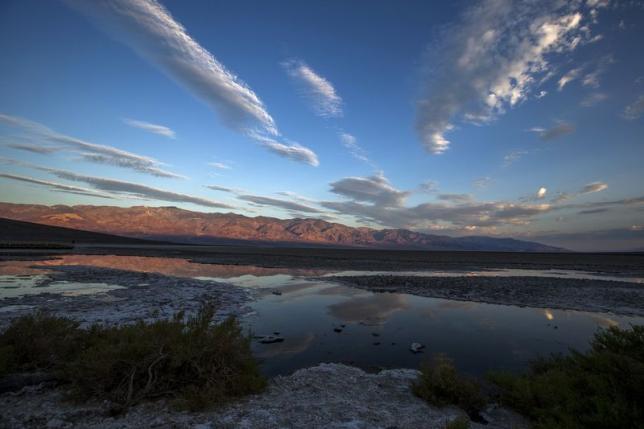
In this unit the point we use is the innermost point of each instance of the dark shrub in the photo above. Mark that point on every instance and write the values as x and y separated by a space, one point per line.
440 385
603 388
193 362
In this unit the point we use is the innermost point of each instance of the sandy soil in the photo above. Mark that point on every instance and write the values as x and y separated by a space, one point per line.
573 294
324 396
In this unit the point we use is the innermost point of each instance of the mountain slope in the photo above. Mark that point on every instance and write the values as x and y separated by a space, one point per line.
171 223
19 231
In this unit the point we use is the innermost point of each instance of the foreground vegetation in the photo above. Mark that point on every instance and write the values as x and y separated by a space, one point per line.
603 388
191 361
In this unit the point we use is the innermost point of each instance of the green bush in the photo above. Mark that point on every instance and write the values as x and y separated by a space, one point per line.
603 388
38 342
193 362
440 385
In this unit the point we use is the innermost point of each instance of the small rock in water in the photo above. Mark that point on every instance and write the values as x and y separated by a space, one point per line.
375 334
377 343
416 347
276 292
338 330
270 339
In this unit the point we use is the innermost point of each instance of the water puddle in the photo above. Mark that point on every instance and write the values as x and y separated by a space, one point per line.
323 321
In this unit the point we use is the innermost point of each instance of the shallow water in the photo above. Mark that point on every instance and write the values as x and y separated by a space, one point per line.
376 329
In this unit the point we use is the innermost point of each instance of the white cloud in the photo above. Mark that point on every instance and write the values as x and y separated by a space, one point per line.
635 109
568 77
321 93
220 165
351 143
294 152
88 151
152 128
149 29
375 189
492 59
541 193
561 129
594 187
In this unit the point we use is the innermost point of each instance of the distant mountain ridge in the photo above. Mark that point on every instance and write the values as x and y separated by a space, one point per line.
171 223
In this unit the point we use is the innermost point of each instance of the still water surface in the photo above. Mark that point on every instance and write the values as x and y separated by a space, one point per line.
376 328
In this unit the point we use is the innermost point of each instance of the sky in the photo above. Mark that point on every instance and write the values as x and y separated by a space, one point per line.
504 118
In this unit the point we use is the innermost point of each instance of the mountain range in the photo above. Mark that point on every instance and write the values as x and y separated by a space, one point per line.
185 226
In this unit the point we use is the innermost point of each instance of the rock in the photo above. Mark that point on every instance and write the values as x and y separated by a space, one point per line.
416 347
377 343
375 334
276 292
270 339
338 330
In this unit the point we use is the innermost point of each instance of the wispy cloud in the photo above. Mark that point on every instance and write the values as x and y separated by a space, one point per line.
594 187
375 189
568 77
220 165
492 59
513 156
428 187
280 203
482 182
148 28
88 151
34 148
136 189
592 99
455 198
60 187
635 109
152 128
294 152
321 93
350 142
561 129
119 188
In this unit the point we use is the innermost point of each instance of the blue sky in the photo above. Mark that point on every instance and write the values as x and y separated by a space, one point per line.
504 118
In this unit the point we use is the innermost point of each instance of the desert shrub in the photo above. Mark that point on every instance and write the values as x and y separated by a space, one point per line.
38 342
193 362
458 423
440 385
603 388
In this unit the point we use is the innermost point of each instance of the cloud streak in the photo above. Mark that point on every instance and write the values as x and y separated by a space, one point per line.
279 203
320 92
151 128
561 129
56 186
88 151
492 59
148 28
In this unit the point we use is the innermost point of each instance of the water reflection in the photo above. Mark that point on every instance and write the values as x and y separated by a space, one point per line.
369 310
379 327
